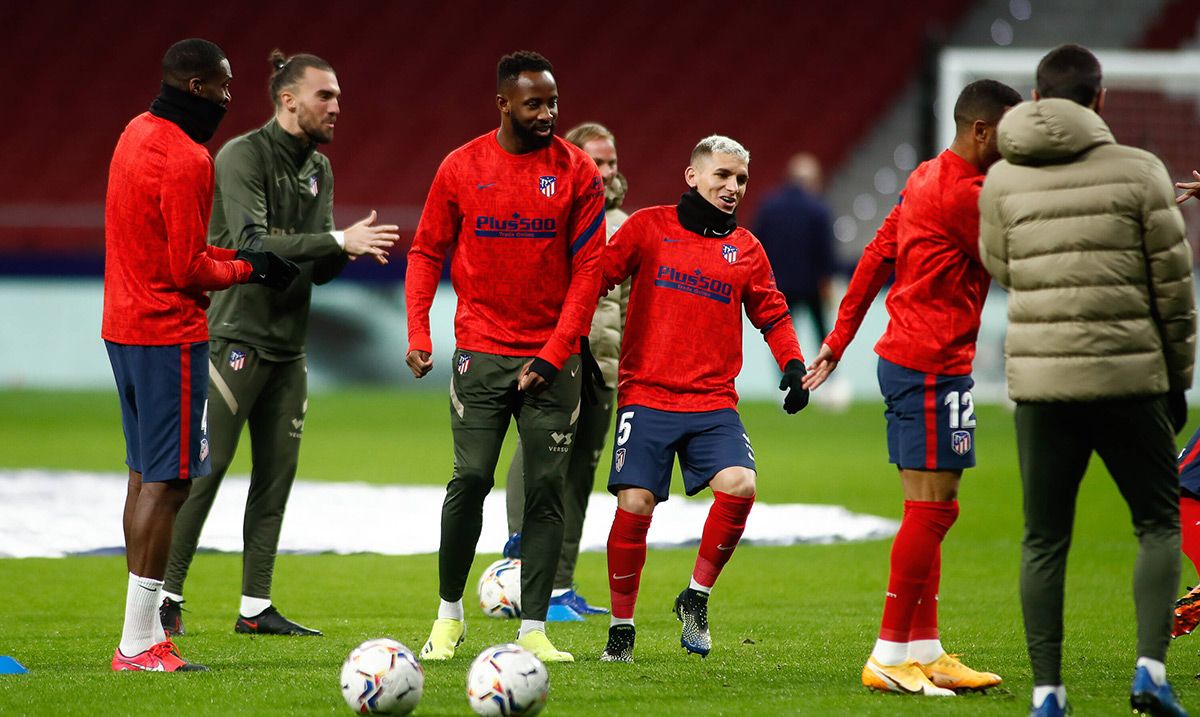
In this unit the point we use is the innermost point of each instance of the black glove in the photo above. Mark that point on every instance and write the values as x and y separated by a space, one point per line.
797 396
269 269
543 368
593 377
1178 408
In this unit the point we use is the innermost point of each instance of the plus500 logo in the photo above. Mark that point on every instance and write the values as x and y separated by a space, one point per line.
694 280
516 226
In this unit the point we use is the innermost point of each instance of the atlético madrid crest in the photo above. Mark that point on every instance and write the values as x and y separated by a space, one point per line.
960 442
619 459
313 187
237 360
548 185
464 363
729 251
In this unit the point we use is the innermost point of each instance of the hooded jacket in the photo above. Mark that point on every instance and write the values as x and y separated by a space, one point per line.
1085 235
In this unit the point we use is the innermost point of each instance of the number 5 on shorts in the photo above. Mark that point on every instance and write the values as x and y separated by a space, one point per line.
624 428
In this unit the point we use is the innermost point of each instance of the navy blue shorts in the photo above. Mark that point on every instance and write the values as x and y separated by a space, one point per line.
164 408
1189 465
647 441
930 418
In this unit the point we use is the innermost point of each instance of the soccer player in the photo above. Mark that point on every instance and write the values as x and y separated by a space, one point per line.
1187 608
524 211
274 190
930 242
595 412
157 269
692 269
1100 350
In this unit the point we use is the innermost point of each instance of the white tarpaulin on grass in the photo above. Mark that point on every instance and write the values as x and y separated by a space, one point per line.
54 514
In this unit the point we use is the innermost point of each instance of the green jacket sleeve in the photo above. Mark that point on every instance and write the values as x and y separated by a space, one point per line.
242 175
327 268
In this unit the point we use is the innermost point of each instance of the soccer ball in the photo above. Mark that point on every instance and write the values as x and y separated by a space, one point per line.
500 589
507 680
382 677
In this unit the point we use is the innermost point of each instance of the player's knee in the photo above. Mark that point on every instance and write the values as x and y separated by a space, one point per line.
636 500
473 481
735 480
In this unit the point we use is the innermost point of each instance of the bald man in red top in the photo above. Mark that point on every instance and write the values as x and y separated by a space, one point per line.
157 269
930 241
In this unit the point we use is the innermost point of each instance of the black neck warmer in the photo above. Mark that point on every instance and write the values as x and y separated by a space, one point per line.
196 116
698 215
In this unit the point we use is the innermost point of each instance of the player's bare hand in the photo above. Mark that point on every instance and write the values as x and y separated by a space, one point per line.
365 237
536 376
824 365
1190 189
419 363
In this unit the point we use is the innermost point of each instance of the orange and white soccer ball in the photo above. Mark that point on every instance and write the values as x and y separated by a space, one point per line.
382 677
507 680
500 589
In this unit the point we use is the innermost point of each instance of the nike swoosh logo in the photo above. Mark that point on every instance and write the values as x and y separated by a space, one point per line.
153 590
485 186
722 547
575 371
623 577
251 625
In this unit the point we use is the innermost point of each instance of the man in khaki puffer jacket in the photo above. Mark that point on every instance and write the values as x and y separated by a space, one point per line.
594 418
1085 235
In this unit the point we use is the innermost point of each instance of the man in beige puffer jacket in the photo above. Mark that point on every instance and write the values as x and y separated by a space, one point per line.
1085 235
594 417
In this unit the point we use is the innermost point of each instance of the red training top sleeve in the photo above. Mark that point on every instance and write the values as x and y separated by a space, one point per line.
962 226
878 262
585 225
437 230
619 259
186 200
768 311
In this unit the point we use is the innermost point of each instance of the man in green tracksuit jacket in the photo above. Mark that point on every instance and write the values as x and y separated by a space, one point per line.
274 190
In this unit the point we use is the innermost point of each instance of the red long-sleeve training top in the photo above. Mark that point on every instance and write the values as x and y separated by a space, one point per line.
157 261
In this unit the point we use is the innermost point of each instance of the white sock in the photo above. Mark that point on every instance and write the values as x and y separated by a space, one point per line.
706 589
528 626
252 606
1041 692
173 596
1157 670
451 610
887 652
141 616
559 592
620 621
925 651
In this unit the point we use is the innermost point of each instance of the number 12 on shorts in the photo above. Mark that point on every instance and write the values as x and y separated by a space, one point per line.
962 409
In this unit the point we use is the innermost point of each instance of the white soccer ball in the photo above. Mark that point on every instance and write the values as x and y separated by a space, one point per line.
382 677
500 589
507 680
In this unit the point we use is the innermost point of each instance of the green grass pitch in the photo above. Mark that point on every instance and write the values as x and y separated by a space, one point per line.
792 626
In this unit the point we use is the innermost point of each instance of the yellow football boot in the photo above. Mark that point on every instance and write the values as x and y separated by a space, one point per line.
537 643
906 678
946 671
446 635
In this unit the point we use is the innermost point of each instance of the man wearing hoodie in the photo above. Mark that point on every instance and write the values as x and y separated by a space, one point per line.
1085 235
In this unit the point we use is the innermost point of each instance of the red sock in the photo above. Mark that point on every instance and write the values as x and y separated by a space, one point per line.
626 558
1189 516
924 621
914 551
722 531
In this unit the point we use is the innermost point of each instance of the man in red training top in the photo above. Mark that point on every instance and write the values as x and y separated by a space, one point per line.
693 269
931 241
524 211
157 269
